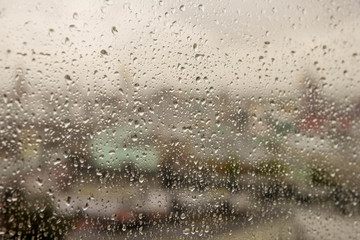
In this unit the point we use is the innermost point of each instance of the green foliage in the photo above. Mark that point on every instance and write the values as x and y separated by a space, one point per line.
272 168
285 128
35 219
321 177
312 175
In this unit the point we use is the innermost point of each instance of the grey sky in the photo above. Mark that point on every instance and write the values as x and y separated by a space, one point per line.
170 44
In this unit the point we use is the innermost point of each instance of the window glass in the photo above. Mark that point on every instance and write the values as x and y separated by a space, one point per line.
179 119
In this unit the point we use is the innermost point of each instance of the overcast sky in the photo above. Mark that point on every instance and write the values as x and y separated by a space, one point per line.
243 47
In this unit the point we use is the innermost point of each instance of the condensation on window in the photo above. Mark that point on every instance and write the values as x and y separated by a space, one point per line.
179 119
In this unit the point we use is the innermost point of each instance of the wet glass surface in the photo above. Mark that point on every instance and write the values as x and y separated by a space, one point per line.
179 119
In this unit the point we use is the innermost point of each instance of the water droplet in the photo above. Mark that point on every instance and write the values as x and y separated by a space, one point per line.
39 182
68 201
134 138
86 207
114 30
141 178
104 52
57 161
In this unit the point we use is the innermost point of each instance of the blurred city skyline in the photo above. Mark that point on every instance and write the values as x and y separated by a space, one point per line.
153 119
